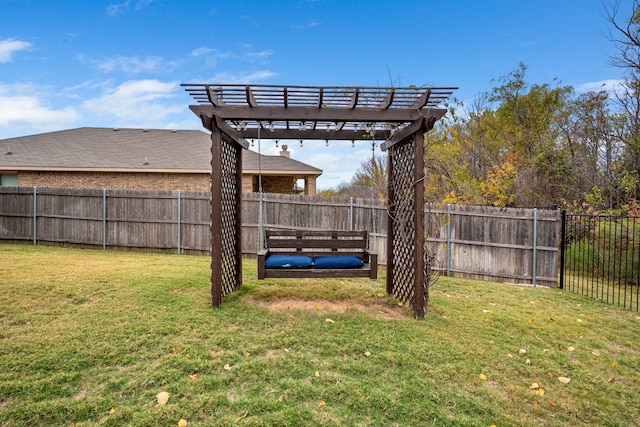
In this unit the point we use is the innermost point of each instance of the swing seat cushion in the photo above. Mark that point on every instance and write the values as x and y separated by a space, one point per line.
288 261
337 261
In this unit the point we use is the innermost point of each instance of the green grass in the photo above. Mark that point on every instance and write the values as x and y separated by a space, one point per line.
89 338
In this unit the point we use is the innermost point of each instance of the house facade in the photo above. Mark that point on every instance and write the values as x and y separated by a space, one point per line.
144 159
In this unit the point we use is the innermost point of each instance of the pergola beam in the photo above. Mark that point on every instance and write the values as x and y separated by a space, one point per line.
374 115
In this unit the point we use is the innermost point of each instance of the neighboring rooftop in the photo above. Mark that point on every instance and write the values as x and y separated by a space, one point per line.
130 150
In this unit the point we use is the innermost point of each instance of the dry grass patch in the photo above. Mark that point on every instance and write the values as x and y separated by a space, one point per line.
381 311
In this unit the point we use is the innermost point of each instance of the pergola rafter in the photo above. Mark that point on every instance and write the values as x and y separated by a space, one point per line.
399 116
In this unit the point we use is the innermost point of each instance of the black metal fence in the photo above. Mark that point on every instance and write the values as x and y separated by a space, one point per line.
600 257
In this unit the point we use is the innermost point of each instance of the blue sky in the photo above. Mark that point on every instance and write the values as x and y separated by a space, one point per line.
73 63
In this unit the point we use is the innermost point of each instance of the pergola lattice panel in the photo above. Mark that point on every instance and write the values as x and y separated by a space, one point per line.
402 215
230 216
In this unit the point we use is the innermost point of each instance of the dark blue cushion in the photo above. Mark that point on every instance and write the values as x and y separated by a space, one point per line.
288 261
337 261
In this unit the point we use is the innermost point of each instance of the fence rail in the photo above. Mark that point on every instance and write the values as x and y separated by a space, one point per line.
509 245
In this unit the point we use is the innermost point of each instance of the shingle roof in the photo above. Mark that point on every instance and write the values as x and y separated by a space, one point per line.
107 149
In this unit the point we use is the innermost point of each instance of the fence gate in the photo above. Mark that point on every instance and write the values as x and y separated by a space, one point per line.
600 258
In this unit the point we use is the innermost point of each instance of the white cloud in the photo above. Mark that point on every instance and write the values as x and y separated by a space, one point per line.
19 109
609 85
134 64
8 47
118 8
201 51
245 77
136 103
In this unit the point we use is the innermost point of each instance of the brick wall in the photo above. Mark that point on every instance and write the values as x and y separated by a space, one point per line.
148 181
116 180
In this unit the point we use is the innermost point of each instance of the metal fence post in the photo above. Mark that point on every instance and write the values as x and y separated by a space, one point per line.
535 247
448 239
104 219
563 248
179 222
35 216
351 214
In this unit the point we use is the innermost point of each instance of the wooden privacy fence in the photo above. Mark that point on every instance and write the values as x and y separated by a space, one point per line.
499 244
502 244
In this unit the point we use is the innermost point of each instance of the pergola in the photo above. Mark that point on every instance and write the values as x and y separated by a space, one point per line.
398 115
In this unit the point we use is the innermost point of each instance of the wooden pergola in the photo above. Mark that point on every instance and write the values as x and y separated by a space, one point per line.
400 116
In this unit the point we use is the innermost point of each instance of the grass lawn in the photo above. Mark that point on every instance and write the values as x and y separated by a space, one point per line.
90 338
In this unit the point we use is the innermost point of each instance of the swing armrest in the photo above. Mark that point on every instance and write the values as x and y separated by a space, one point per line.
262 256
373 263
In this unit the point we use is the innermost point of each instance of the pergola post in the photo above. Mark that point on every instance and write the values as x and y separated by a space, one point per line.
216 218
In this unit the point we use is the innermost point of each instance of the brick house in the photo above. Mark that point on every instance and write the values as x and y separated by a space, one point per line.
149 159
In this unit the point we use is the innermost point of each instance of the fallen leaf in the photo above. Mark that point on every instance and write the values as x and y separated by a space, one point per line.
193 376
528 362
291 316
289 325
579 320
612 380
380 294
163 398
595 353
534 386
112 410
483 377
570 349
540 392
400 304
174 350
287 350
321 404
530 320
485 311
522 352
182 423
226 367
318 307
552 404
367 353
535 404
242 416
281 398
247 354
613 364
317 374
545 350
329 320
564 380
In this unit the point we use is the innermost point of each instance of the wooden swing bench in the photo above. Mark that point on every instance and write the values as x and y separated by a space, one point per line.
316 254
